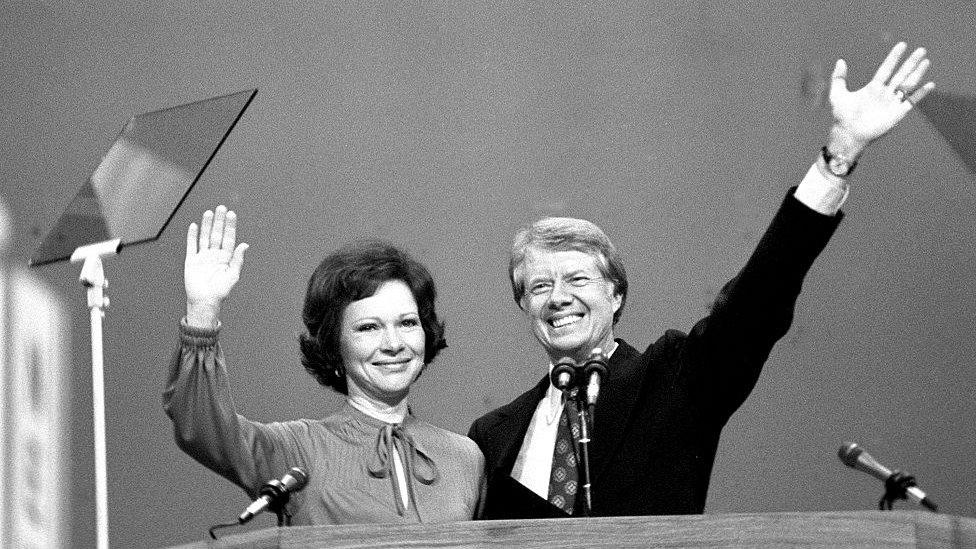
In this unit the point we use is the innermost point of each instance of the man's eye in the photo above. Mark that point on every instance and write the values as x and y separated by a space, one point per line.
540 287
580 280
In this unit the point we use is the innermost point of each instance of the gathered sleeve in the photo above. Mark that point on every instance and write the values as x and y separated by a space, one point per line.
206 424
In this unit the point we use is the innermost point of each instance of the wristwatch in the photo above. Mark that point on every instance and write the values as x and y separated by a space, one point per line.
838 165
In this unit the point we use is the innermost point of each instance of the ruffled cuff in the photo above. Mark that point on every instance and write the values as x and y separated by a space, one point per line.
195 336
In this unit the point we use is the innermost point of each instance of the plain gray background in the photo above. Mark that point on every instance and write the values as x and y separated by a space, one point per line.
443 127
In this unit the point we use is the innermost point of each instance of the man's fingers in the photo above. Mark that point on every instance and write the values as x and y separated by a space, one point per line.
840 70
906 69
884 71
911 81
920 93
838 79
191 239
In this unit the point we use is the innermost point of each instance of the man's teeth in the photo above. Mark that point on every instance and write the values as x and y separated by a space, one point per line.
560 322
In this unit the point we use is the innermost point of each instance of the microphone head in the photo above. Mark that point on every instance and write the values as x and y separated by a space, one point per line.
597 362
849 452
597 354
563 376
295 479
856 457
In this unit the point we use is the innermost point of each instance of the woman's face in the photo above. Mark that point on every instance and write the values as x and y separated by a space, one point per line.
382 343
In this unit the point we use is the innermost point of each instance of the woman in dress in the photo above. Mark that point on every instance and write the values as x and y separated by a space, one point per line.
370 330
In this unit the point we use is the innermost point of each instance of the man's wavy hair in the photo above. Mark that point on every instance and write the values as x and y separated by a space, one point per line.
560 234
352 273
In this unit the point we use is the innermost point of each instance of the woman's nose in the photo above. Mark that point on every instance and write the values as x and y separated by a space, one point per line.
391 340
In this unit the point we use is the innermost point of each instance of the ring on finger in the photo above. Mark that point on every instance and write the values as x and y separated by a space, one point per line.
901 94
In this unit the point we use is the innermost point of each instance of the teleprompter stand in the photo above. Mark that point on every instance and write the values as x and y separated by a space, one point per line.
130 198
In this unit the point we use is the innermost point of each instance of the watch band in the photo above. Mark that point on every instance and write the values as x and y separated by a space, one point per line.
836 164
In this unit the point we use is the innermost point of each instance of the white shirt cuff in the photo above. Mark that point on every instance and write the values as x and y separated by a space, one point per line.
822 192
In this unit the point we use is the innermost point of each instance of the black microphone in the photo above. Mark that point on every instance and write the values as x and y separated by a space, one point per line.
563 375
856 457
594 370
275 493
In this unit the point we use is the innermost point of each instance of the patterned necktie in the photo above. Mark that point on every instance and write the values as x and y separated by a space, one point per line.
563 481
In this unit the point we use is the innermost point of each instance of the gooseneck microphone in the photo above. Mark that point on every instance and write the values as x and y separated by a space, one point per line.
582 382
594 370
275 493
563 375
897 484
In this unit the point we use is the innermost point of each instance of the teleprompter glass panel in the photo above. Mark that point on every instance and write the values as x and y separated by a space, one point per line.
144 177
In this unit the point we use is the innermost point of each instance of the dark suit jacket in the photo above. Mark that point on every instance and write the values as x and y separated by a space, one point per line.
661 412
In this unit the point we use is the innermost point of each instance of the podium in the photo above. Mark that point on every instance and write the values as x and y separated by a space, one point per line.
862 529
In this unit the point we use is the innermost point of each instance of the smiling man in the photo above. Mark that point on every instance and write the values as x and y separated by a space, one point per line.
661 412
570 295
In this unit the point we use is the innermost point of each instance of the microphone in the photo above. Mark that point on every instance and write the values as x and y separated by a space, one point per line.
275 493
563 375
856 457
594 370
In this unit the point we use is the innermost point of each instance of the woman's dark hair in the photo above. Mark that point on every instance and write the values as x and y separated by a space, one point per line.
349 274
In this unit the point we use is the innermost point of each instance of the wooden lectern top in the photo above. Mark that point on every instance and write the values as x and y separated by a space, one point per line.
861 529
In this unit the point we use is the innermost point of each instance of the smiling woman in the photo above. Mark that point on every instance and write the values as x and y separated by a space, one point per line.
371 329
357 294
382 345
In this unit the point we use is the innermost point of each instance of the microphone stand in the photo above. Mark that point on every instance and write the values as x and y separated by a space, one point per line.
896 487
93 278
583 445
570 378
284 517
592 372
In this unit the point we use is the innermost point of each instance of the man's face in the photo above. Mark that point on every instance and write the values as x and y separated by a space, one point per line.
569 302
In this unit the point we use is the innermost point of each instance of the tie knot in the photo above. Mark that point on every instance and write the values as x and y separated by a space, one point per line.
394 440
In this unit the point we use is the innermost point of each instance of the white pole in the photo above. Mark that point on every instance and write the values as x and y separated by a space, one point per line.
98 415
93 278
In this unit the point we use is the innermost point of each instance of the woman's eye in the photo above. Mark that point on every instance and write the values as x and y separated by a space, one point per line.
366 327
411 322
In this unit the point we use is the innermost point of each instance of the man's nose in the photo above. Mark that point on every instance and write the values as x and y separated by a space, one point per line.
560 294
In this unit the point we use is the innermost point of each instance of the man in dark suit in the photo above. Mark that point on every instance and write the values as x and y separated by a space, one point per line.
661 412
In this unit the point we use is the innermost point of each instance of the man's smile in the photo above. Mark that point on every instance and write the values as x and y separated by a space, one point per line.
558 321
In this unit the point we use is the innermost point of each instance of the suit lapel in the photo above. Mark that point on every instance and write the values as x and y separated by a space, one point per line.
618 396
516 420
508 498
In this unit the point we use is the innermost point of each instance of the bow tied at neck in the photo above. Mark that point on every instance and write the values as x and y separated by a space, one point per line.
394 439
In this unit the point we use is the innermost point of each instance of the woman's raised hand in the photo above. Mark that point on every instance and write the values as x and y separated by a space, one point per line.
212 266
